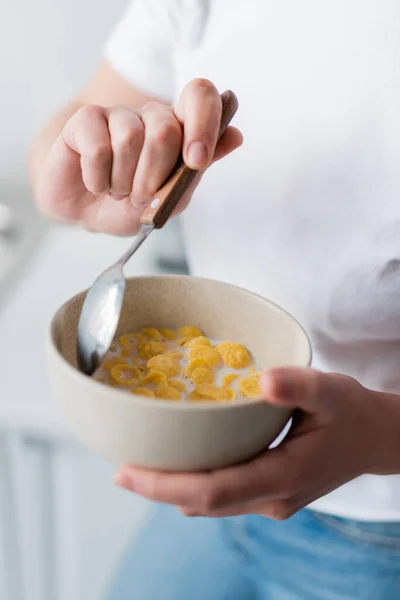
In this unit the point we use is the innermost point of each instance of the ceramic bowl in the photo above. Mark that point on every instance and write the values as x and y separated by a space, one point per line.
158 434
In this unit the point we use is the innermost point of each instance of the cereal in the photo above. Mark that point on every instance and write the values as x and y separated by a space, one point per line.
189 331
142 391
227 379
230 393
129 340
210 355
235 356
169 334
202 375
138 364
250 386
195 364
151 333
178 385
125 374
165 364
212 392
183 341
149 349
168 393
200 340
114 360
174 354
155 377
180 365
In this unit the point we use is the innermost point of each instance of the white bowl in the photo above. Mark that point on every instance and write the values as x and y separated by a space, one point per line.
159 434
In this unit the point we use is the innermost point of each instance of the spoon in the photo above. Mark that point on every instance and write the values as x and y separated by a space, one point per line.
102 306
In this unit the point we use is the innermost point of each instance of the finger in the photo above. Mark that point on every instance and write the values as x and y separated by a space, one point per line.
127 137
160 152
208 491
277 510
87 134
307 389
115 218
230 141
199 111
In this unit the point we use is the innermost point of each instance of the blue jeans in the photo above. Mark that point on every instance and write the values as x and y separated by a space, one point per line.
308 557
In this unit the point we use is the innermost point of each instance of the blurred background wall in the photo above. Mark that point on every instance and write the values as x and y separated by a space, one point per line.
47 50
62 523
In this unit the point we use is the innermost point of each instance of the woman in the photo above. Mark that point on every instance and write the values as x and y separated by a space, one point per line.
306 213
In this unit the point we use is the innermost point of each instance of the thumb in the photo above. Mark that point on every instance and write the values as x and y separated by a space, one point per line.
306 389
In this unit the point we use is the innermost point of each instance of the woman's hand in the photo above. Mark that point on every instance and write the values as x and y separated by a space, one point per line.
340 431
107 163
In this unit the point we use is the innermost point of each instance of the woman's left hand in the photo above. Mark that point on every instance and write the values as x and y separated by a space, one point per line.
340 430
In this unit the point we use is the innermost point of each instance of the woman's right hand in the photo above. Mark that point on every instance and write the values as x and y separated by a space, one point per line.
107 163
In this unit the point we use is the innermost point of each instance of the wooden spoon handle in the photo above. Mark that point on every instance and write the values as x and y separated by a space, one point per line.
160 209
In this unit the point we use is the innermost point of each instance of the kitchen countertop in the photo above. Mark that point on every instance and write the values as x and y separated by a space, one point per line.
66 261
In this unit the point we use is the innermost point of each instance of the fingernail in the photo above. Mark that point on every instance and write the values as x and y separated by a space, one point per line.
197 154
278 384
123 480
118 196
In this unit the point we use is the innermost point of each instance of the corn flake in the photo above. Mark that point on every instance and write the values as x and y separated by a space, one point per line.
173 353
141 366
250 386
235 356
142 391
210 355
177 384
202 375
151 333
231 394
164 364
155 377
130 340
169 334
209 391
184 340
200 340
227 379
189 331
195 364
114 360
167 393
125 374
149 349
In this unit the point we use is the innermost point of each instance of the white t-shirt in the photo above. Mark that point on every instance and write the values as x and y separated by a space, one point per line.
307 212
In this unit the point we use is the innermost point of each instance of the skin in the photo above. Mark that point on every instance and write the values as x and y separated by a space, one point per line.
101 159
97 163
341 430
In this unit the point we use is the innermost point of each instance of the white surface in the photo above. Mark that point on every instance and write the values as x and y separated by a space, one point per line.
47 50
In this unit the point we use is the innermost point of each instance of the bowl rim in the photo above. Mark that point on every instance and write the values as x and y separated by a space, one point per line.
121 395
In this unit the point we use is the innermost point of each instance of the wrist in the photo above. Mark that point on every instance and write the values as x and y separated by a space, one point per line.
384 433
